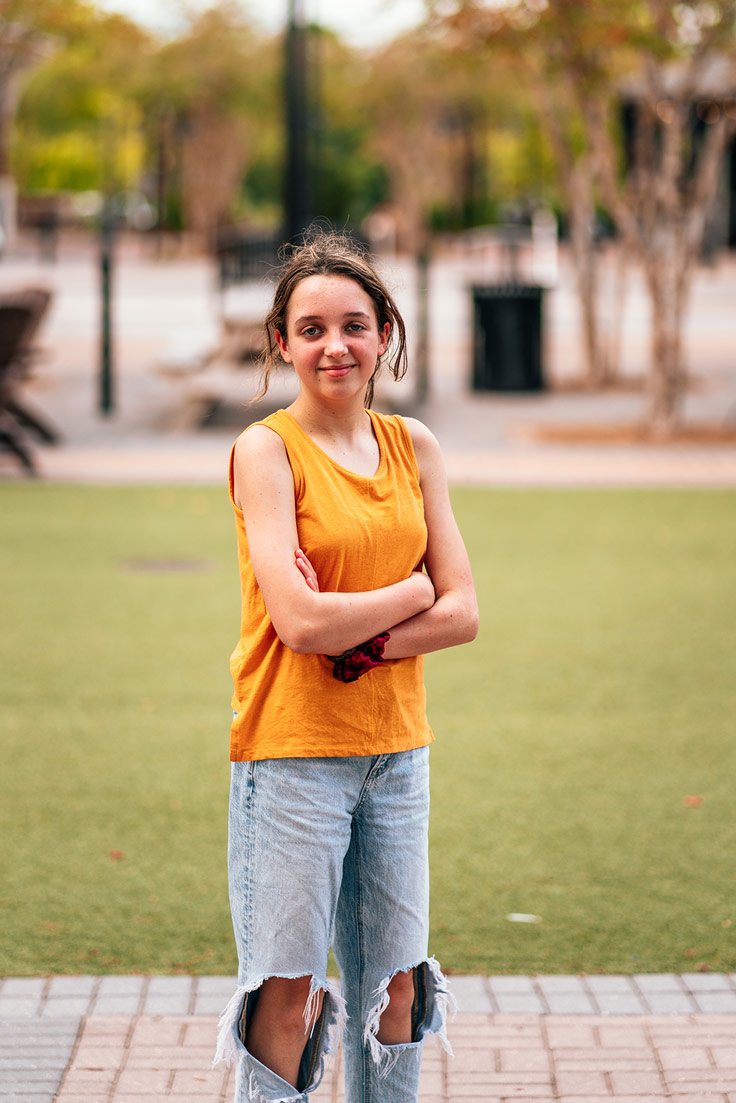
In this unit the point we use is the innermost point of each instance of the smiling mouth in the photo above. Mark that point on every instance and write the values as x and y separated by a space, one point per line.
337 369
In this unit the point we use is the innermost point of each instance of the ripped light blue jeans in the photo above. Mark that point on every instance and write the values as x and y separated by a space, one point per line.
333 851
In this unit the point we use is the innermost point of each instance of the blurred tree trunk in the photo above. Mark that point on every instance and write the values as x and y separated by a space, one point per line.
413 180
617 302
579 188
213 154
414 237
661 210
576 170
21 47
206 93
16 51
421 354
669 377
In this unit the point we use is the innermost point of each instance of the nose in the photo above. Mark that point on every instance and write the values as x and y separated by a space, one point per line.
335 342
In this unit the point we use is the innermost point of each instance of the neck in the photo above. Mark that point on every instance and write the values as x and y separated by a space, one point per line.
343 420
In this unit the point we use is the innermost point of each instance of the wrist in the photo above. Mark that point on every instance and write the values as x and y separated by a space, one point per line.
356 661
427 592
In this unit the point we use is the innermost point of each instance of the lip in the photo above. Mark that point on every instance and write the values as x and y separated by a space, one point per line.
338 371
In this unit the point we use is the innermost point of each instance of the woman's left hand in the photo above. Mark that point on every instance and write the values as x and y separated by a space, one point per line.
310 575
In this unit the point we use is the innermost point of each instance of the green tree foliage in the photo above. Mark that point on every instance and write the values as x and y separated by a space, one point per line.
211 107
198 121
457 138
673 66
558 51
220 72
177 117
347 180
86 83
217 61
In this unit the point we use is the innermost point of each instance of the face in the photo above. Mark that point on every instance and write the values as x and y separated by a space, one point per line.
332 336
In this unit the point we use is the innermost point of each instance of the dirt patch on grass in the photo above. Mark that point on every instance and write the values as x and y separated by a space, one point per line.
157 565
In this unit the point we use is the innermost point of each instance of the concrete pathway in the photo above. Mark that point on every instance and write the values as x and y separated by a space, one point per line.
166 316
134 1039
196 462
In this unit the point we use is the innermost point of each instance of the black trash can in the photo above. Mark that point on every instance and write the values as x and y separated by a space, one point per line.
507 338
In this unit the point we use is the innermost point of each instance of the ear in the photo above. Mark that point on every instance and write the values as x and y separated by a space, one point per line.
383 338
283 347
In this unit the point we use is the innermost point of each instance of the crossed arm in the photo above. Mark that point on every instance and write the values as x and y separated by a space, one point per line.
424 612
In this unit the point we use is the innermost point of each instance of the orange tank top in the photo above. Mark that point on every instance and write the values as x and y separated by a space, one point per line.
360 533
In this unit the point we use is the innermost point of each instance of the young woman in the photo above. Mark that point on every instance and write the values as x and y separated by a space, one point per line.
352 568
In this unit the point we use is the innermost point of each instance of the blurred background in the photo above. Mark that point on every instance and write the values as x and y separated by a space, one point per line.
550 188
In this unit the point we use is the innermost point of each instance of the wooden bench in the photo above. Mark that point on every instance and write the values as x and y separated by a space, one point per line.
21 314
228 374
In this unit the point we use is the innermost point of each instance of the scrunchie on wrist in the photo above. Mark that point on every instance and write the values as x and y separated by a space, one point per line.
356 661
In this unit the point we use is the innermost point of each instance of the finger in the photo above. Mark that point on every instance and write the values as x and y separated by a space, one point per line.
308 572
304 563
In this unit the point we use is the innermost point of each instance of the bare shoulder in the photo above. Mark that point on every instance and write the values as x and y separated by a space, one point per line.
426 446
419 433
260 462
258 442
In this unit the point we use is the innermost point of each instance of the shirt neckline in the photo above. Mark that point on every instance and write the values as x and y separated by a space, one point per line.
346 470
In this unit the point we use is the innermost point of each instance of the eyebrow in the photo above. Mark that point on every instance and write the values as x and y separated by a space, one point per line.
318 317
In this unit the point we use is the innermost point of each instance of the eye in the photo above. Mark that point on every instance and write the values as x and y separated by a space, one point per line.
310 331
356 326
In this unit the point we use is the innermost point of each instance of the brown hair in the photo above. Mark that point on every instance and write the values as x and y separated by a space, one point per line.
326 253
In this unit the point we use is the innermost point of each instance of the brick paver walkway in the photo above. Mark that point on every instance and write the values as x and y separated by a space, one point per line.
135 1039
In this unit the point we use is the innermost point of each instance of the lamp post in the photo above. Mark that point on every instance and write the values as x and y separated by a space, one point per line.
297 198
107 231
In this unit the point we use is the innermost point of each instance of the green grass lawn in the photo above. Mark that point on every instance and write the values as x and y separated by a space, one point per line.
599 695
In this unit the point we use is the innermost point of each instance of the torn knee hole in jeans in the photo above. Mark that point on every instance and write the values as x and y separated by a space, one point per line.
323 1020
432 1002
